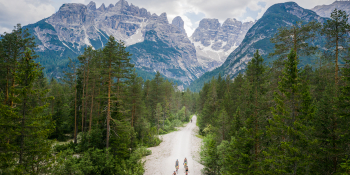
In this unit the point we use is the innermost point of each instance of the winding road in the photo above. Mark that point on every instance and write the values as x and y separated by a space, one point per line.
176 145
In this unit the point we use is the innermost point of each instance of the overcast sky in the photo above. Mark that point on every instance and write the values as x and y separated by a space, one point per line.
191 11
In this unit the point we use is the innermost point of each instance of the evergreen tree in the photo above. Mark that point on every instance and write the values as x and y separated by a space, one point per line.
289 129
28 128
295 36
336 31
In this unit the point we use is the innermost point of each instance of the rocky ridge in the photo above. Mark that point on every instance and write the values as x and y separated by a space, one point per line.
326 10
75 26
214 42
258 38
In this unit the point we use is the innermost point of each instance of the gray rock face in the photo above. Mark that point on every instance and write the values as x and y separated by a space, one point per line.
214 42
178 22
77 26
326 10
258 38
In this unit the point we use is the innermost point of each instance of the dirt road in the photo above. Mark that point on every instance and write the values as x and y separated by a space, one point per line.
176 145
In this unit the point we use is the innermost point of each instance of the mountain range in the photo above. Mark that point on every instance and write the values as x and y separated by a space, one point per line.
158 45
259 35
155 44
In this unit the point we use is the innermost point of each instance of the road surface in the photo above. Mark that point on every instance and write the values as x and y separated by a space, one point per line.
176 145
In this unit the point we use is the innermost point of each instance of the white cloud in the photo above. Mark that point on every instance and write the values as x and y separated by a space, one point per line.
23 11
248 19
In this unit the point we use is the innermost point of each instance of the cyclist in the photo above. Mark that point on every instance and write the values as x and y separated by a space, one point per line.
186 170
185 162
177 164
174 173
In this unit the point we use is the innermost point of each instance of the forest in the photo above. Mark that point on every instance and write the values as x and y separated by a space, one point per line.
97 119
100 118
282 118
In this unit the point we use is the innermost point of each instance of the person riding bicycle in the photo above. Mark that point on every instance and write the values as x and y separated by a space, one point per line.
177 164
186 169
185 162
174 173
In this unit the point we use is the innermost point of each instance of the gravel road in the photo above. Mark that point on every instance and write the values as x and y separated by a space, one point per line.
176 145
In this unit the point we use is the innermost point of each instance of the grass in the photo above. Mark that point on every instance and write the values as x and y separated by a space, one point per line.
200 136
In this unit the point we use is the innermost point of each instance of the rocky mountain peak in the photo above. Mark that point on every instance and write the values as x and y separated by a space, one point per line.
72 13
91 6
102 7
214 42
163 18
207 23
110 6
178 22
326 10
122 3
231 22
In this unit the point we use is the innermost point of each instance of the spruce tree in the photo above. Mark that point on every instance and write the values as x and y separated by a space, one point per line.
28 127
289 129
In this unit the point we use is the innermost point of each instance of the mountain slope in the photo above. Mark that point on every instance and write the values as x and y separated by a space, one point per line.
326 10
76 26
214 42
258 37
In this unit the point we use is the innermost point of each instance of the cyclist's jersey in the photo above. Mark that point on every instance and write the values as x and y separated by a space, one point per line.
177 163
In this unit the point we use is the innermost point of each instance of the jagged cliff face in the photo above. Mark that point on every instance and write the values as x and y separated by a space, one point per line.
167 49
214 42
258 38
76 26
326 10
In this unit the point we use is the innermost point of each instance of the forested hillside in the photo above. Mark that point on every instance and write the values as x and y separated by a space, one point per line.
282 119
97 119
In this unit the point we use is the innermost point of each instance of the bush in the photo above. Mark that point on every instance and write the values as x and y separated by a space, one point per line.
98 161
64 147
161 131
92 139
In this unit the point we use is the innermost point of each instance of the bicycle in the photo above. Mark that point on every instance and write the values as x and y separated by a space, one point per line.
177 169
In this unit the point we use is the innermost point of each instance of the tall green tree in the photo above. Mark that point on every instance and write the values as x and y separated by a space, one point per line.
289 129
28 128
336 31
297 37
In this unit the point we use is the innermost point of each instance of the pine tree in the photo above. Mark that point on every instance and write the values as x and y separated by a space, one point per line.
28 127
71 79
255 123
289 129
296 37
336 31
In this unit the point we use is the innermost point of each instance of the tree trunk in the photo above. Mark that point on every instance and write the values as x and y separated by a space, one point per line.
109 103
132 113
7 85
86 93
92 105
23 119
75 116
83 105
13 85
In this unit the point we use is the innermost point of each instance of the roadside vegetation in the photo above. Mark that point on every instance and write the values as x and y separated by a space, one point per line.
108 114
283 119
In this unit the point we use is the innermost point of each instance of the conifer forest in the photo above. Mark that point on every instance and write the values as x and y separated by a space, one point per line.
275 118
103 113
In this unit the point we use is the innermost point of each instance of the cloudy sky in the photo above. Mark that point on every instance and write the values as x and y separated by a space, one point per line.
191 11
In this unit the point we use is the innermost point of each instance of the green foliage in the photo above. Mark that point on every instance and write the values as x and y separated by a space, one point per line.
284 119
35 112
